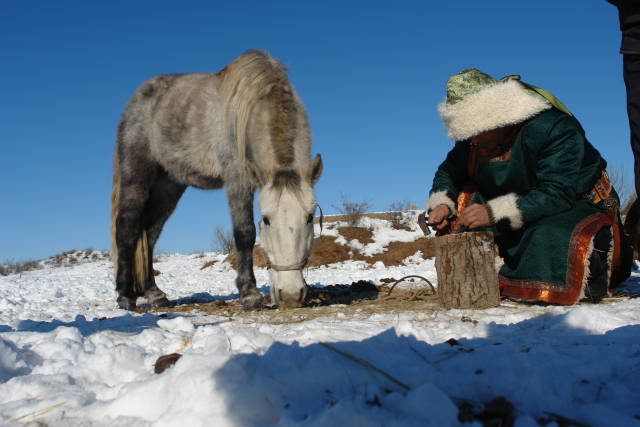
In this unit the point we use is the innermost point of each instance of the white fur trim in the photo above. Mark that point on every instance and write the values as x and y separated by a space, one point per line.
499 105
507 207
440 198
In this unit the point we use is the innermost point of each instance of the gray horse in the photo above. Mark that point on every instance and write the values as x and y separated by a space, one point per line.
242 128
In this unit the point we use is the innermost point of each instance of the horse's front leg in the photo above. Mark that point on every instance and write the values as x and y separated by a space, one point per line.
244 234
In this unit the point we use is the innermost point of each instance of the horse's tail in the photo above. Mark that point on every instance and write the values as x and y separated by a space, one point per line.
245 81
115 198
140 266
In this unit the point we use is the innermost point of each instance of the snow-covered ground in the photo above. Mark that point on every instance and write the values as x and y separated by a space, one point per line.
69 357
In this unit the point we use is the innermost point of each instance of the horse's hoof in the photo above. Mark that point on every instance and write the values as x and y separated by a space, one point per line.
156 298
160 302
127 303
253 301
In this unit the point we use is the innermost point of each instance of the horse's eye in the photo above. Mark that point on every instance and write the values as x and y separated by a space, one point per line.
265 219
310 219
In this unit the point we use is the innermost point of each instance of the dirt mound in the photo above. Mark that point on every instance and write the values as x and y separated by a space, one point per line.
327 251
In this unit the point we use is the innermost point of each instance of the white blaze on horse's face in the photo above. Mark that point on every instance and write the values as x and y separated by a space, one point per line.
286 235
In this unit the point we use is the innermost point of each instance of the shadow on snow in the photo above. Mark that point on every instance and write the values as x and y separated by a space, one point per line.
589 377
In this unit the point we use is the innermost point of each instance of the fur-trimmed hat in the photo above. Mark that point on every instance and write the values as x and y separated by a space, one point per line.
476 102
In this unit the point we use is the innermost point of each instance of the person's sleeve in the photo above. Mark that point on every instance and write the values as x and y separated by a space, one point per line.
449 178
557 155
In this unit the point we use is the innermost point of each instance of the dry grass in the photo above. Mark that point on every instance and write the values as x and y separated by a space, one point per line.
19 267
398 301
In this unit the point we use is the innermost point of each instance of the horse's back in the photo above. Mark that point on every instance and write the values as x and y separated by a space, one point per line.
179 120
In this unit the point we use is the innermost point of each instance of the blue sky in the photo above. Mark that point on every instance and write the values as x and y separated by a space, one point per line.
370 74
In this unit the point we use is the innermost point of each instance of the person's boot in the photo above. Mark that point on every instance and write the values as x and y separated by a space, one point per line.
598 281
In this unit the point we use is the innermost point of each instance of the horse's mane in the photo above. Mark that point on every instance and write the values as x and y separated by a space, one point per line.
290 180
250 78
286 178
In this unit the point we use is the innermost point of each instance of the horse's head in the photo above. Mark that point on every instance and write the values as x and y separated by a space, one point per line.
287 205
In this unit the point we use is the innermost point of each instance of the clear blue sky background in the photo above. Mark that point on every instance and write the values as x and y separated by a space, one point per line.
370 73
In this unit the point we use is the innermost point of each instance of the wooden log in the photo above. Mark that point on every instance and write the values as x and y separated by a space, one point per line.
466 268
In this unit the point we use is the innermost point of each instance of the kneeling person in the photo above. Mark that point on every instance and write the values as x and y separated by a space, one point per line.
523 169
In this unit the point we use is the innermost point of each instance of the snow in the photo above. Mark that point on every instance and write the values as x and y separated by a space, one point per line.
69 357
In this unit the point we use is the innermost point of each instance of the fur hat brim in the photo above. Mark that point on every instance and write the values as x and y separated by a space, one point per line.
502 104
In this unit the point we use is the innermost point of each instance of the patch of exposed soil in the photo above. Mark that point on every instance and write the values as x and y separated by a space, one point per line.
259 259
363 235
398 251
404 227
327 251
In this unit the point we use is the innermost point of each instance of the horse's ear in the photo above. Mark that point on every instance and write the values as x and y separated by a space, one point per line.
257 175
314 170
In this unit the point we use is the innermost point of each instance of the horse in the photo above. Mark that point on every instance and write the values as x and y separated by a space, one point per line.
243 128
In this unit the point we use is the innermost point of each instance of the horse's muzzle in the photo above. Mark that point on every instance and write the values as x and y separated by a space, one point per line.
291 300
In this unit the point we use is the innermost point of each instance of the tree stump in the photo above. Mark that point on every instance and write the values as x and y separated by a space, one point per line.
466 268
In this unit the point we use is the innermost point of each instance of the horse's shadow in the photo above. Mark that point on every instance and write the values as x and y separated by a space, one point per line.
321 295
128 323
206 297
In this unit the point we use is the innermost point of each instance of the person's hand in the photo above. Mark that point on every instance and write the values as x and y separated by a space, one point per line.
438 217
473 216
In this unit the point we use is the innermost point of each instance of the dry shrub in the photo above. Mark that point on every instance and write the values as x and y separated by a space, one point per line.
397 209
353 211
223 240
624 208
626 190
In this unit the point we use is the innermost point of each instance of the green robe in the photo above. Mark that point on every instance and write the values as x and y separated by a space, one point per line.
549 196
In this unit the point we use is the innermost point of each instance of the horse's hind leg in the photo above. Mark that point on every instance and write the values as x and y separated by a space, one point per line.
131 203
244 233
163 198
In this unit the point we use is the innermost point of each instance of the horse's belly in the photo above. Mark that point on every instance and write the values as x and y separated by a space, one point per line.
206 183
206 177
